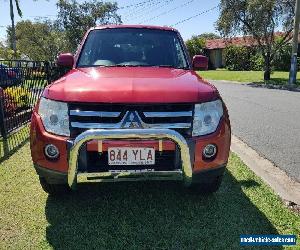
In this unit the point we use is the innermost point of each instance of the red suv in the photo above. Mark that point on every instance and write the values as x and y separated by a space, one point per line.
131 108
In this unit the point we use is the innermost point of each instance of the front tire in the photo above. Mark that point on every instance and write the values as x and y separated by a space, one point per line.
54 189
207 188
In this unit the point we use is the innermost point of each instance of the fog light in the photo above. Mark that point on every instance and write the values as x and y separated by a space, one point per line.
51 151
210 151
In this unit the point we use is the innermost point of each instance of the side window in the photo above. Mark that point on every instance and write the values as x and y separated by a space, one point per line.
180 55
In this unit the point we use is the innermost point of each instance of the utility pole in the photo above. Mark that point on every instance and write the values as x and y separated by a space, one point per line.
293 71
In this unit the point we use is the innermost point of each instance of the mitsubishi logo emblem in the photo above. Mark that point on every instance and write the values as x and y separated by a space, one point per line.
131 120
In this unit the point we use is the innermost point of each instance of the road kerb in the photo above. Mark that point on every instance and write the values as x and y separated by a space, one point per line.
279 181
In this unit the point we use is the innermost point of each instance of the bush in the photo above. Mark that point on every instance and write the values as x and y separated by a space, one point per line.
18 97
9 107
256 62
246 58
282 59
238 58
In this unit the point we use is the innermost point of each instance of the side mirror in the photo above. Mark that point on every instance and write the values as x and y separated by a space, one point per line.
65 60
200 62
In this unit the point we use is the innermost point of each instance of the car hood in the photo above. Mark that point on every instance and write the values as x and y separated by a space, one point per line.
131 85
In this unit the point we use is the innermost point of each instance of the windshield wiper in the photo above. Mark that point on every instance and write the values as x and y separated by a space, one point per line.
144 65
134 65
168 66
92 66
130 65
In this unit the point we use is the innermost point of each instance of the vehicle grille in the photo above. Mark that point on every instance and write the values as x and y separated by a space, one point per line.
109 116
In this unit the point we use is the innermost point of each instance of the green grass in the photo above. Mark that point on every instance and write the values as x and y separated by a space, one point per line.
277 77
14 141
156 215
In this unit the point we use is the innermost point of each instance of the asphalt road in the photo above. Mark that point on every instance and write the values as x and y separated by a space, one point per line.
268 120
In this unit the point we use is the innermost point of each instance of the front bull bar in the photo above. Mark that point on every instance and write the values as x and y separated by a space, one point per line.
184 174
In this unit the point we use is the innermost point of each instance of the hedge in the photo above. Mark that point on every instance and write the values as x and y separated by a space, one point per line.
239 58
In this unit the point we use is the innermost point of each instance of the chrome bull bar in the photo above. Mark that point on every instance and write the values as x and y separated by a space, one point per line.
184 174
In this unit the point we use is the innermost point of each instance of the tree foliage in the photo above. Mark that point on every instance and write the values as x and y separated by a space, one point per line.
39 40
44 39
76 18
7 53
195 45
282 59
259 18
209 35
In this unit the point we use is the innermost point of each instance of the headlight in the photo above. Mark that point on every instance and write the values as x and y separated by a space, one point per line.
207 117
54 116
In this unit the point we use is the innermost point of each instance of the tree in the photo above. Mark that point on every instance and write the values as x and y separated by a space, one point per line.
12 17
1 46
195 45
209 36
7 53
282 59
76 18
39 40
260 19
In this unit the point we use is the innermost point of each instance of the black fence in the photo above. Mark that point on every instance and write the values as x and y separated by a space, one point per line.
21 84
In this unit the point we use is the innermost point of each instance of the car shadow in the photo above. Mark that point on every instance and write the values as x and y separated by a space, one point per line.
154 215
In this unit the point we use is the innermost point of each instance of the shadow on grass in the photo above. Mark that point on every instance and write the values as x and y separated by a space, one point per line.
14 142
159 215
276 83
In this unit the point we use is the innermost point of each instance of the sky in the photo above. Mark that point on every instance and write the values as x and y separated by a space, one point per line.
161 12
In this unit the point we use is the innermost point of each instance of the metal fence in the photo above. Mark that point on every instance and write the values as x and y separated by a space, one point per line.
21 84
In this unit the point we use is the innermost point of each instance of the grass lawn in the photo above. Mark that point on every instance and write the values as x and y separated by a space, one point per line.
278 77
14 141
156 215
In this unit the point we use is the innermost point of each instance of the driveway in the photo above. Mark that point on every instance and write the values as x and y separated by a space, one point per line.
268 120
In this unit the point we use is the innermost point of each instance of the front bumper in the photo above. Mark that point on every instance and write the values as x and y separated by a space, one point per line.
60 170
184 174
205 176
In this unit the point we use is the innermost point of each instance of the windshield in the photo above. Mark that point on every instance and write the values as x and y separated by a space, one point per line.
132 47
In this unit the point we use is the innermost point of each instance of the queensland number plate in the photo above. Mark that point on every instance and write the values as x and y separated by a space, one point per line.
131 156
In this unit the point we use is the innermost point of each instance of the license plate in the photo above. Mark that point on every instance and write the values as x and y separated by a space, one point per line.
131 156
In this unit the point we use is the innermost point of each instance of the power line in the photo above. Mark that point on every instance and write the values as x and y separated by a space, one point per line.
123 7
167 12
140 9
44 16
156 8
134 5
199 14
139 12
139 4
